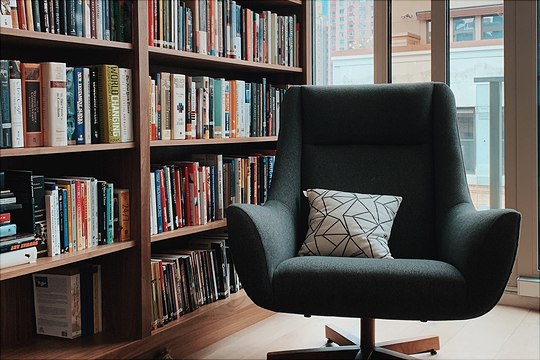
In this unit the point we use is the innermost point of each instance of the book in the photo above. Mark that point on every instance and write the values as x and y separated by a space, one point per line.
126 105
5 107
8 230
17 242
178 104
71 105
78 98
122 230
15 101
87 105
5 14
18 257
54 104
52 229
32 104
94 105
109 100
165 93
61 317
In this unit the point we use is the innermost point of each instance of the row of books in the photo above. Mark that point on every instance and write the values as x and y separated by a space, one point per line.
96 19
68 301
224 28
202 107
51 104
185 279
197 191
65 214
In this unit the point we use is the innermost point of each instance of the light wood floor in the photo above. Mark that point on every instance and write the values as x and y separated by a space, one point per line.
504 333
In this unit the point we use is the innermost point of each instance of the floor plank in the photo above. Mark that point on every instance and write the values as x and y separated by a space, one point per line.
504 333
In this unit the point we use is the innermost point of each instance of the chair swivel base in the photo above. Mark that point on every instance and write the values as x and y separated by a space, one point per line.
349 346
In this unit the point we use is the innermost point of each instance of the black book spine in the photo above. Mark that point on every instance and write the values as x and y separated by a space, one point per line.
62 14
52 26
57 14
44 12
71 18
5 116
94 105
36 15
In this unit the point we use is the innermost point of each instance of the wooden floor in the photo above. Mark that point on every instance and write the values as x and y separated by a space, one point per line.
504 333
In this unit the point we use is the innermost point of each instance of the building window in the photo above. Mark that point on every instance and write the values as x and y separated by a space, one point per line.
464 29
492 27
466 126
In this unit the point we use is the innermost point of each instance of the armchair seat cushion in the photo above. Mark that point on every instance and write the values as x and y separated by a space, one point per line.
406 289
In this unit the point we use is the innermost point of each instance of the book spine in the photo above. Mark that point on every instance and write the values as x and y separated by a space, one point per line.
44 12
71 18
87 106
21 13
79 105
99 19
32 104
87 19
110 213
165 106
123 231
29 15
18 257
159 210
63 10
50 6
94 105
78 17
109 93
16 107
178 101
56 15
8 230
70 105
126 105
54 104
5 136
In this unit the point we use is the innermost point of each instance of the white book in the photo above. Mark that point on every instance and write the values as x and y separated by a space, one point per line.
87 32
99 20
178 105
240 108
18 257
153 211
54 103
86 107
201 42
15 104
53 225
61 317
219 107
126 105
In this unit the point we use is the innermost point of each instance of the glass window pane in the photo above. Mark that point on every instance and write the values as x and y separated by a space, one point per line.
343 42
411 41
463 29
492 27
477 80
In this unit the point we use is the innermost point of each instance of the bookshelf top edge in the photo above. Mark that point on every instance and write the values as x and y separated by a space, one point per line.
44 150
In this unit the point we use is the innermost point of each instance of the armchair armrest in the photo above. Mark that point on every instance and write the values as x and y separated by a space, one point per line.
482 245
260 238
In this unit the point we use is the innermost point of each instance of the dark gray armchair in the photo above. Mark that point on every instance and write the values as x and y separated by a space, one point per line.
450 261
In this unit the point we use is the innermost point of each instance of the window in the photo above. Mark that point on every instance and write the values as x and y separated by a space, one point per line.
464 29
428 32
466 126
492 27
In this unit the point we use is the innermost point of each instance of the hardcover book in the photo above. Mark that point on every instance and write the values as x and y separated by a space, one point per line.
32 104
54 104
5 113
109 95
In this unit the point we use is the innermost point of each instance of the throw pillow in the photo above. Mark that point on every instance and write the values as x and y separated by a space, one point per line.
349 224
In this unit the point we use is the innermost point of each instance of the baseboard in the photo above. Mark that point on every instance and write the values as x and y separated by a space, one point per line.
510 297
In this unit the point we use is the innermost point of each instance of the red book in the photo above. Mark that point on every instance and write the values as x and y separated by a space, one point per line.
178 185
21 13
32 104
5 218
151 22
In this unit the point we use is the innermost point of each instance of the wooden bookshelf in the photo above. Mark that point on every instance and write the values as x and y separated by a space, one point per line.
126 273
46 263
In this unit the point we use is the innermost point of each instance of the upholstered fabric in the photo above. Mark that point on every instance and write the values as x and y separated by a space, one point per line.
451 261
349 224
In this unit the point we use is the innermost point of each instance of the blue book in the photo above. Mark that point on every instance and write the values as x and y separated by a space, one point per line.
71 114
158 201
8 230
110 213
5 116
78 17
78 98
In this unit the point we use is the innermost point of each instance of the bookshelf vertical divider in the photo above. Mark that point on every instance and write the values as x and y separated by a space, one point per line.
127 313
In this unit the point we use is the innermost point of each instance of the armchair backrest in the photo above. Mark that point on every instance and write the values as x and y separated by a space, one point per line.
397 139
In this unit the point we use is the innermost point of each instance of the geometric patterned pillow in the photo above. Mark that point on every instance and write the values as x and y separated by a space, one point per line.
349 224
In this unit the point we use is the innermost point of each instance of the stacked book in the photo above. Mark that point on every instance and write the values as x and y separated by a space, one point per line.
52 104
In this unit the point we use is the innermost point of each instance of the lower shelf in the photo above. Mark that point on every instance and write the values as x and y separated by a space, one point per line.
190 333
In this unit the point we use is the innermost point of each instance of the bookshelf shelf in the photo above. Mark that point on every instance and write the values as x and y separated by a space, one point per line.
45 150
35 38
210 62
189 230
195 142
64 259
